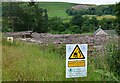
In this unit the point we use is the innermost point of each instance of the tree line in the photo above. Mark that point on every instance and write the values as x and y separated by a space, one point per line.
30 16
23 17
97 10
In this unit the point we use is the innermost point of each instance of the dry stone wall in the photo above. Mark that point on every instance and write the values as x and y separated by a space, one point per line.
95 42
45 38
70 38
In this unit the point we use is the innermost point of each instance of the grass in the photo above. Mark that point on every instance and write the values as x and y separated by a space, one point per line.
88 33
106 16
0 57
57 9
30 62
101 17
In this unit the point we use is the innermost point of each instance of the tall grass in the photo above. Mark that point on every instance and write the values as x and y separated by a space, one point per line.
113 58
23 61
0 56
107 61
31 62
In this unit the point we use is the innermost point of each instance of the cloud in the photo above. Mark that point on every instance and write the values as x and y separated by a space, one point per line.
97 2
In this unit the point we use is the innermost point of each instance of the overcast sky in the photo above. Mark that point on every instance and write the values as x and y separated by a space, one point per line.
97 2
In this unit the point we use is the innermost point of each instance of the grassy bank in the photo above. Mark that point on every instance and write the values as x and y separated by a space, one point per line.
24 61
57 9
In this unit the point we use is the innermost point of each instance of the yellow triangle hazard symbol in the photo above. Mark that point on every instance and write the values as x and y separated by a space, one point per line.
77 53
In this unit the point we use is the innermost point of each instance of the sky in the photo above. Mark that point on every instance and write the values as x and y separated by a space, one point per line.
97 2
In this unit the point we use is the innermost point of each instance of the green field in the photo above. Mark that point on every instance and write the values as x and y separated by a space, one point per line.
101 17
106 16
26 62
57 9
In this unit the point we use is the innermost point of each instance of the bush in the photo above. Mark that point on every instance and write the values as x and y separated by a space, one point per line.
118 18
75 29
113 58
55 24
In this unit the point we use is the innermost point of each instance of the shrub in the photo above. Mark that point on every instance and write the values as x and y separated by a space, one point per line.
113 58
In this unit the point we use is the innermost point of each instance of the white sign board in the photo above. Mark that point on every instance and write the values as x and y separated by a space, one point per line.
10 39
76 60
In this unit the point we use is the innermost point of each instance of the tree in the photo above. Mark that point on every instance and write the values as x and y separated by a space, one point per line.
85 28
24 16
56 25
104 24
9 15
96 10
40 19
74 29
77 20
71 12
89 24
118 17
45 20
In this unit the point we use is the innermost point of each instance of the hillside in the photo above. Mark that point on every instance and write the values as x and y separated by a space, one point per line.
56 9
30 17
82 6
59 9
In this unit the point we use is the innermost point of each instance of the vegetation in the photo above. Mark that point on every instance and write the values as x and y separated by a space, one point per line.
113 58
96 10
106 16
56 25
23 17
56 9
20 17
1 57
30 62
118 17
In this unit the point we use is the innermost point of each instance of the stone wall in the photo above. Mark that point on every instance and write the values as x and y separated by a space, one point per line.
95 42
45 38
70 38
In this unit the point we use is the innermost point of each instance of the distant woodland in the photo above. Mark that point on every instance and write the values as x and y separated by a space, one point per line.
31 16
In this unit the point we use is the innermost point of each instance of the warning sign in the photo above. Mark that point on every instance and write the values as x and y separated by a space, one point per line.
76 60
77 54
80 63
